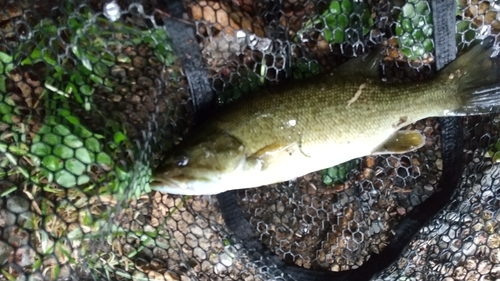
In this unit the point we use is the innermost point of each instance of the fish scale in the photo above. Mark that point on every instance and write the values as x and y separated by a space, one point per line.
303 126
322 117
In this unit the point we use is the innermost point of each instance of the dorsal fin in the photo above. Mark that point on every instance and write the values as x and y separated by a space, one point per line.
365 65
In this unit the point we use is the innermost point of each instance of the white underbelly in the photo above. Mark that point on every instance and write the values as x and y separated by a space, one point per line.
296 165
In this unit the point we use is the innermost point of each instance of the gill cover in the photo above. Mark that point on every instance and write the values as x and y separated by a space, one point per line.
196 164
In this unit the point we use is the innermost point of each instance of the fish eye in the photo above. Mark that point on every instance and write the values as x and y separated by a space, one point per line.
182 161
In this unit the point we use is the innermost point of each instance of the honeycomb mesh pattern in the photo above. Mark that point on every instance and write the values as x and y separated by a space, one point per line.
93 93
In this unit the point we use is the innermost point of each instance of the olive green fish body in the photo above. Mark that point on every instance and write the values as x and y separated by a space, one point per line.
317 113
308 125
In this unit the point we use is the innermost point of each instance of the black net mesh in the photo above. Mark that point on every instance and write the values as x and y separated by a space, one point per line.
92 94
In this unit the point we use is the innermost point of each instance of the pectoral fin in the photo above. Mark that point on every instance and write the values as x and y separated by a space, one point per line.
273 153
401 142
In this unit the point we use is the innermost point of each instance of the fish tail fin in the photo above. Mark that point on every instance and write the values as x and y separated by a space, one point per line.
478 77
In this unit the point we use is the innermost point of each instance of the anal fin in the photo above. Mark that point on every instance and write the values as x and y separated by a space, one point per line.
401 142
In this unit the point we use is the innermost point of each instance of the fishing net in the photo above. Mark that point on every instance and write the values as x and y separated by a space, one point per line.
93 93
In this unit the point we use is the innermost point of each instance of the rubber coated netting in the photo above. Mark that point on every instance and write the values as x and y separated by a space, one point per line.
93 93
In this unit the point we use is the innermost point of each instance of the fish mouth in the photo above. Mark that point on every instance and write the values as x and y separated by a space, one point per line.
171 185
161 184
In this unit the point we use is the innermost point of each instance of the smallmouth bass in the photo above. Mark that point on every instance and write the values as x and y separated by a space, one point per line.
304 126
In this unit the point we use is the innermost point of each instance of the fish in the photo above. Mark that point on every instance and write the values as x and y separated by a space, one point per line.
303 126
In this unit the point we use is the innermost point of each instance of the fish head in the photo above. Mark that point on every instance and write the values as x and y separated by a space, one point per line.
200 167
